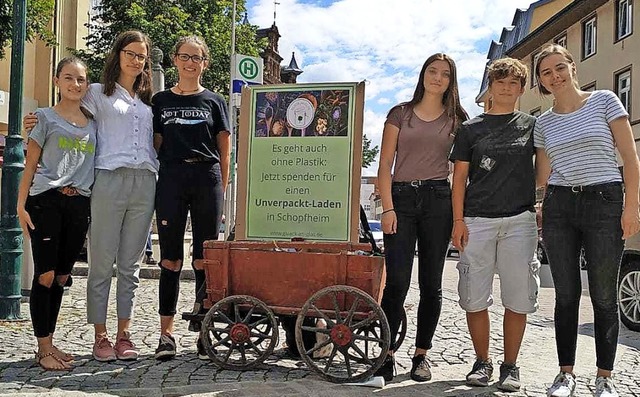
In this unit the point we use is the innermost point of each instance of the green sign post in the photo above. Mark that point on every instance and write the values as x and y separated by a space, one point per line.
10 232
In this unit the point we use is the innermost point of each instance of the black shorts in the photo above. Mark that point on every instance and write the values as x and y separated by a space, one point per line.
61 224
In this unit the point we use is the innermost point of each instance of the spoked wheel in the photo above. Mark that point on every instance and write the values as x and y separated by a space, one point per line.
355 355
239 339
374 331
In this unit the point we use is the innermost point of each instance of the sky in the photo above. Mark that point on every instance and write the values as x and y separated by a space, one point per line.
385 43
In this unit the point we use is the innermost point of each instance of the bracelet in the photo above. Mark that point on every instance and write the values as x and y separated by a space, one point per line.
389 210
459 220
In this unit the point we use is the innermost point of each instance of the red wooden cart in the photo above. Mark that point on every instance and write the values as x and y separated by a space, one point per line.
249 283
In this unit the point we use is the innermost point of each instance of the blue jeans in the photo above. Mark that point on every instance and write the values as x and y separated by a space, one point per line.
423 213
589 218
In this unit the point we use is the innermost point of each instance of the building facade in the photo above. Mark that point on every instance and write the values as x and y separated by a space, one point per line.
68 25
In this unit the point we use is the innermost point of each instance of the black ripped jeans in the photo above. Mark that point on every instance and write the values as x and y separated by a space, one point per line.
423 213
591 219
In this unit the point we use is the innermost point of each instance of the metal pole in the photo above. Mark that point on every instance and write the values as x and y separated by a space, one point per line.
231 191
10 232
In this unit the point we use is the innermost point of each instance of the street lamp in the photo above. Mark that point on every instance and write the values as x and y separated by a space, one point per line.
10 232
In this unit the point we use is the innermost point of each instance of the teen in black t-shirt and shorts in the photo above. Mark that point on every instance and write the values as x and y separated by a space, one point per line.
495 222
191 134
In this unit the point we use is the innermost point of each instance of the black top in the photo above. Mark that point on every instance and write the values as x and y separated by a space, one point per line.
189 125
500 151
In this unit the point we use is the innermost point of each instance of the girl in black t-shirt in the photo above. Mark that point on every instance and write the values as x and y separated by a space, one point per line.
191 135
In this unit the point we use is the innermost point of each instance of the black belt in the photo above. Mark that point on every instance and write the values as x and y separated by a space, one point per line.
198 159
423 182
585 188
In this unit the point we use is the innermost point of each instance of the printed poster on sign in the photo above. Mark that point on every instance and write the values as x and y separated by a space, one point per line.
300 169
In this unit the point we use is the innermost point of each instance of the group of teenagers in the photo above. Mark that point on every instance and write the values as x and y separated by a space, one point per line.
102 160
108 154
488 210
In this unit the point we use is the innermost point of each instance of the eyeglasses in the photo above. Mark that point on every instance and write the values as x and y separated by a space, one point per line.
130 55
195 58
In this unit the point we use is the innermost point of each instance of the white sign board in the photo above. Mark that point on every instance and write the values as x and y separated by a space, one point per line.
248 69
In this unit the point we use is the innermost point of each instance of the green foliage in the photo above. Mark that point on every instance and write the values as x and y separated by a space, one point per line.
167 20
369 153
39 14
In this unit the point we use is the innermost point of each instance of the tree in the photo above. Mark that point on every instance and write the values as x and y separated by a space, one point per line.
369 153
167 20
39 14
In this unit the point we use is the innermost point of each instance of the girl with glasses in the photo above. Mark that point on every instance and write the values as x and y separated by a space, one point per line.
191 134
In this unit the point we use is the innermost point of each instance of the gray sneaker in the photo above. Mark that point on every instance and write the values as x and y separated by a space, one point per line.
605 387
420 369
509 377
563 385
481 373
166 348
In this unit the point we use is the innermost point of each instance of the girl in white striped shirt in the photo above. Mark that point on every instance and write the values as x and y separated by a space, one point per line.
585 205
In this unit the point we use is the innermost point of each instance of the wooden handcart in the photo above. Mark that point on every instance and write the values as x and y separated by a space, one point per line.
249 283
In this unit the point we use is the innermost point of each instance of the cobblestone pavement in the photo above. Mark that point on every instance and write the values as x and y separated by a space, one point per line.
451 357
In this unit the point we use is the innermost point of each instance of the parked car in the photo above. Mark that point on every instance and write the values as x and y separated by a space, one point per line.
629 284
452 251
376 231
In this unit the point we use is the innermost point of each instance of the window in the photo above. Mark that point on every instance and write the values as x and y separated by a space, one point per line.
534 59
624 16
623 88
589 87
589 37
535 112
561 40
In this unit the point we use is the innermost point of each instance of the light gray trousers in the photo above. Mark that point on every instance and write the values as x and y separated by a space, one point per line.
122 203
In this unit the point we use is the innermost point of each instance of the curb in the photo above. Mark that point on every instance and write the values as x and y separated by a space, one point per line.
148 272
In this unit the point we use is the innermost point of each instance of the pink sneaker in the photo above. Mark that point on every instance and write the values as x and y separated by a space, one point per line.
125 349
103 349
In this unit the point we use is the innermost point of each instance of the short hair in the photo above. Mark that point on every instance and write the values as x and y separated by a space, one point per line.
505 67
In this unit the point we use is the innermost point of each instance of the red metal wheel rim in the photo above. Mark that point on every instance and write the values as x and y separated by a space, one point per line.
341 335
240 333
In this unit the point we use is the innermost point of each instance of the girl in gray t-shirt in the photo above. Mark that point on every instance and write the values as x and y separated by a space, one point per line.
53 202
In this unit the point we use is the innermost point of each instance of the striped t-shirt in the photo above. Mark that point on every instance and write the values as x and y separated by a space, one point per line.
580 144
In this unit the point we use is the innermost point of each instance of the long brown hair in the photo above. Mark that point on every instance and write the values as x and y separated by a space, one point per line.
111 71
553 49
450 98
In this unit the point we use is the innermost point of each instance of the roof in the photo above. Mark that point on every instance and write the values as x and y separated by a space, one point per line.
555 25
511 37
293 65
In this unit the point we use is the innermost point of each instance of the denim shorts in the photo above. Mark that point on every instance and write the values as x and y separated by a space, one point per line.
505 246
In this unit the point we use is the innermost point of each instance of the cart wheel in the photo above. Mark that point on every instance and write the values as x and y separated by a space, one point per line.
236 339
355 355
374 330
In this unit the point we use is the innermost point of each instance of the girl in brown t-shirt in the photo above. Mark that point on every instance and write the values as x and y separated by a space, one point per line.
416 201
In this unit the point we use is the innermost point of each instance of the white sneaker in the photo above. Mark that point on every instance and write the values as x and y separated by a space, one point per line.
563 385
605 387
